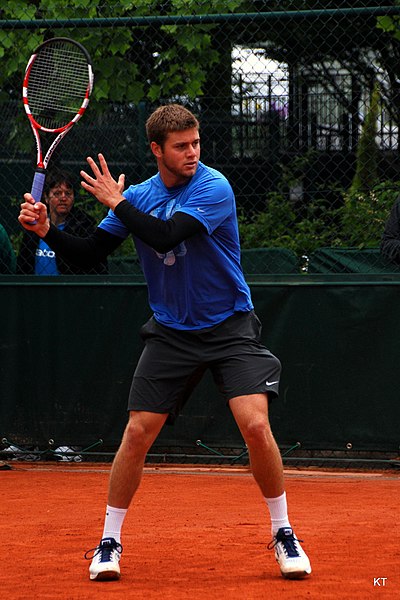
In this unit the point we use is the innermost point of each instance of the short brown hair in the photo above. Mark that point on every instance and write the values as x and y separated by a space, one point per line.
58 177
168 118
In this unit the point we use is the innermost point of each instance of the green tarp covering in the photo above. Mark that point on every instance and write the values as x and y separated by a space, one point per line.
68 350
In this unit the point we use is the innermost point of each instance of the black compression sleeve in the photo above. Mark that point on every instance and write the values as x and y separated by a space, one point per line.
83 252
160 235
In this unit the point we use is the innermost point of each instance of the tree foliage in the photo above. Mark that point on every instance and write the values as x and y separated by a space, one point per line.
366 174
358 222
131 63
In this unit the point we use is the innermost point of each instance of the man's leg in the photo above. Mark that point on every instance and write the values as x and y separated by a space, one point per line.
126 474
251 415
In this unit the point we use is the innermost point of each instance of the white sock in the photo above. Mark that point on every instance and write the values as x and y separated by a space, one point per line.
113 522
278 512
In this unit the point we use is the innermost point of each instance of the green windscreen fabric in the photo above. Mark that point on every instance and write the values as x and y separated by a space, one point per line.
68 348
349 260
257 261
125 265
269 261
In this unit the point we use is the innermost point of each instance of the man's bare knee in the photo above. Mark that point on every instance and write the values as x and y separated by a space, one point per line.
258 432
141 431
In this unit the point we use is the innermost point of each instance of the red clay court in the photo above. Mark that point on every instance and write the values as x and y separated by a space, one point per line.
198 532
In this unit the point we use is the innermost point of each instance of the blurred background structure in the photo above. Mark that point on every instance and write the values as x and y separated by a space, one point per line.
299 104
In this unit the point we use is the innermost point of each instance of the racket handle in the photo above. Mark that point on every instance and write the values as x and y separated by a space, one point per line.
38 184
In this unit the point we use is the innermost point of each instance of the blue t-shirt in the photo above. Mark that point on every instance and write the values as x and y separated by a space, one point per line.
199 283
45 259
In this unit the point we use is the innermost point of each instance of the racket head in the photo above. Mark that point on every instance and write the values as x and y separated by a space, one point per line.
57 84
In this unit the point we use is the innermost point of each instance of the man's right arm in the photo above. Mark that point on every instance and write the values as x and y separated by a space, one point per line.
83 252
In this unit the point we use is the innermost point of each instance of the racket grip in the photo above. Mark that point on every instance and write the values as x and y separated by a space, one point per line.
38 184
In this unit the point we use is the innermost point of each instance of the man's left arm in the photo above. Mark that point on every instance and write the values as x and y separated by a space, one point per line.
161 235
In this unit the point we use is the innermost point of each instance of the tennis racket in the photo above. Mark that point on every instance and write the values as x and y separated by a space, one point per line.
57 85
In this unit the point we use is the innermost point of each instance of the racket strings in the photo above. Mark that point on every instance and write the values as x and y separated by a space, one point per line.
57 85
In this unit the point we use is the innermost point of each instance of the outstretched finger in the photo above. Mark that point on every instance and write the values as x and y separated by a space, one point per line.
89 186
96 171
121 182
103 164
87 177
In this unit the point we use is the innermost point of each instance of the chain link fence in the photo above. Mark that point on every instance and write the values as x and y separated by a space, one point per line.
299 107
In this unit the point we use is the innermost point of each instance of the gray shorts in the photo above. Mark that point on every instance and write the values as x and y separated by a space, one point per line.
173 362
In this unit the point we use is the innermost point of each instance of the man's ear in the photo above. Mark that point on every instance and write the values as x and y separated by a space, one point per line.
156 149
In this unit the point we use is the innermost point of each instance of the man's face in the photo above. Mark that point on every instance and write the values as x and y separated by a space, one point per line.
60 200
179 156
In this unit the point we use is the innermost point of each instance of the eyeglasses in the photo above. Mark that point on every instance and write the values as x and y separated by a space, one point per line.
60 193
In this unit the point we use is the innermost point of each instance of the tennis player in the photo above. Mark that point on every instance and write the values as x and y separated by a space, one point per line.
184 225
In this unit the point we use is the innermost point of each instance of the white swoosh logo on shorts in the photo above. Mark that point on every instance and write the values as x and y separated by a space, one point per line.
271 382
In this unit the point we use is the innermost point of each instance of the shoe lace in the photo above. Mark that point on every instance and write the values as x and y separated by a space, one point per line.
288 542
104 550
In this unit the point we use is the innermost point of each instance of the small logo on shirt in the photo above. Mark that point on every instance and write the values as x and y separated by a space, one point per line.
269 383
46 253
169 258
200 210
